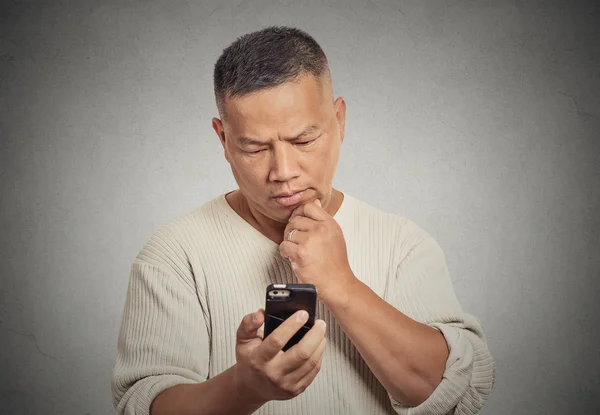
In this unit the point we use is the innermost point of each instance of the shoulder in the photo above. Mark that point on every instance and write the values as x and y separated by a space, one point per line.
400 232
374 219
171 244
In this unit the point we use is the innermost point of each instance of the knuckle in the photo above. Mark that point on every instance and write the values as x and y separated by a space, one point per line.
282 250
314 363
291 388
282 387
301 387
271 378
302 252
256 366
303 354
242 324
253 363
294 389
275 344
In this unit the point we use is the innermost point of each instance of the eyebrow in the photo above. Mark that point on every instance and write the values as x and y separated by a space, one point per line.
247 141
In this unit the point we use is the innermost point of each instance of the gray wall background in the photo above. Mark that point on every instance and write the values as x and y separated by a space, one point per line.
479 120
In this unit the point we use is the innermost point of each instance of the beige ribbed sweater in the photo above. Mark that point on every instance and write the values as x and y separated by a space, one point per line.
199 275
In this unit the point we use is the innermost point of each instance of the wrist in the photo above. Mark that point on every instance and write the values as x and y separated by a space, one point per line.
244 392
338 297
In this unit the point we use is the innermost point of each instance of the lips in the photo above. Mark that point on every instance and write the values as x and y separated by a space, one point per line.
289 199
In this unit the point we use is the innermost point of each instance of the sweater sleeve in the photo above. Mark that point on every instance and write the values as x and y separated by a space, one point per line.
423 291
163 340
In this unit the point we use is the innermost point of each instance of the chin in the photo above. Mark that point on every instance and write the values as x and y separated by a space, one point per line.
274 211
281 215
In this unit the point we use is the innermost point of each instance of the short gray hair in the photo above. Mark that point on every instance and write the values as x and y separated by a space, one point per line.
265 59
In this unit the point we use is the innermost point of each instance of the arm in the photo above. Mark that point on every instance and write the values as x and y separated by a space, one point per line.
163 339
163 352
430 355
406 356
162 359
211 397
435 359
262 373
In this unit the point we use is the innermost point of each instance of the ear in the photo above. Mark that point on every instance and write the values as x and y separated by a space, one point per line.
217 125
340 115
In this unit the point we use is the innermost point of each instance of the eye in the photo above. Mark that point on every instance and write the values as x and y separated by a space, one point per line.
255 152
304 143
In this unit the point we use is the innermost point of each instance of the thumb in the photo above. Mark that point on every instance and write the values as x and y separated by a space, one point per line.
249 326
318 202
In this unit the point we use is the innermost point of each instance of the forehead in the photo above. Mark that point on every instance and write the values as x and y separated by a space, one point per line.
286 106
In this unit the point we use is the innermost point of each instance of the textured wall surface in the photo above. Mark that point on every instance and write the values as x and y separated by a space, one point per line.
478 120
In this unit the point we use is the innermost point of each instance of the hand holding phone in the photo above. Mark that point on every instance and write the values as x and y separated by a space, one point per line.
263 371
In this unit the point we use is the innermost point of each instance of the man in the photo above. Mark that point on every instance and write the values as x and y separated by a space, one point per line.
391 336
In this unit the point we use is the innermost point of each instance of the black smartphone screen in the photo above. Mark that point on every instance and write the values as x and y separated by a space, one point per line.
282 301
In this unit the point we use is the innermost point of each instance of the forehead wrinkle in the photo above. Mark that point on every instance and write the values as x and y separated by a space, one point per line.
307 131
247 141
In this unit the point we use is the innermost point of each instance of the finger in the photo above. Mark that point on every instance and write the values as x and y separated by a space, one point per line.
305 382
301 223
314 211
275 341
249 326
300 353
297 236
299 211
311 363
288 250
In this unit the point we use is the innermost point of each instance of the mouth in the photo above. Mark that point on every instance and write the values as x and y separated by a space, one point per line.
289 199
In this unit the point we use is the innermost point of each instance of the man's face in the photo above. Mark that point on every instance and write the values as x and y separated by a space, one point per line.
283 144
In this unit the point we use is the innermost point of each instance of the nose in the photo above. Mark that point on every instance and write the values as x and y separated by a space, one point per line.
283 163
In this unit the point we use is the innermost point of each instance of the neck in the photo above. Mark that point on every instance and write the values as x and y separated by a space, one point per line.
270 228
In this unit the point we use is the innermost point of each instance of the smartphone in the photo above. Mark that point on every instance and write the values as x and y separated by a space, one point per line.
283 300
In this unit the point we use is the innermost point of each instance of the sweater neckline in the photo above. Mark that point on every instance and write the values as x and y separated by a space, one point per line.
252 234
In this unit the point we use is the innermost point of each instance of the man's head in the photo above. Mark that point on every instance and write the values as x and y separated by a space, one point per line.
280 128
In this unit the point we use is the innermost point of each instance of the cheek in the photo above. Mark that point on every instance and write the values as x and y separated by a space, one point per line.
330 160
248 172
323 168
